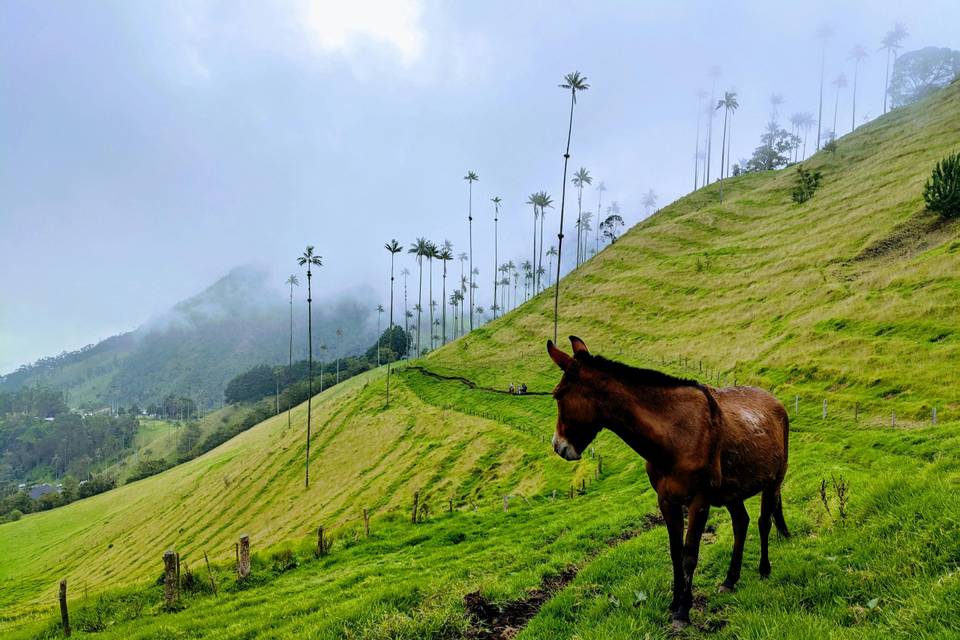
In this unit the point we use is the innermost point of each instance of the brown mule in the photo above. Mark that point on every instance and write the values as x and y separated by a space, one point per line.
703 446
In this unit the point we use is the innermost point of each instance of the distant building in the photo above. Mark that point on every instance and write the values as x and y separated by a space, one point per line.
37 491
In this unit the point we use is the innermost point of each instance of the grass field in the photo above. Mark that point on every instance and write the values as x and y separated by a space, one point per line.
851 297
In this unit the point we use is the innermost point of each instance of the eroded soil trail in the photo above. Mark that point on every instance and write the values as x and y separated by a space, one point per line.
504 621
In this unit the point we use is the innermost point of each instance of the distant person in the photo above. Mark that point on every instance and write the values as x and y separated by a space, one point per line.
511 389
523 389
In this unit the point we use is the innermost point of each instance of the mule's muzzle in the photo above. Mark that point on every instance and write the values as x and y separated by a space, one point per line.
564 449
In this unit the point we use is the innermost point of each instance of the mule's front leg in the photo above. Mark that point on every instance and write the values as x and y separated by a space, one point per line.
673 517
697 514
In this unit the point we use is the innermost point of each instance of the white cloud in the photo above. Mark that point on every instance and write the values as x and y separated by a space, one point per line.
342 26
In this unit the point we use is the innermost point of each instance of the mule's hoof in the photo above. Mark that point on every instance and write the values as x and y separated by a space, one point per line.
725 588
678 625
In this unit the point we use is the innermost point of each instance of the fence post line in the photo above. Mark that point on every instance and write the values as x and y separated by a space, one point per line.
824 415
416 501
169 578
64 614
244 569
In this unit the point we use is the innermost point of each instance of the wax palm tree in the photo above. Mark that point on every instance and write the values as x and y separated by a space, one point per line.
406 314
713 74
534 199
840 82
574 82
776 101
293 282
600 189
471 177
649 201
858 54
527 268
545 201
309 260
445 255
796 120
729 104
807 124
696 156
496 214
431 253
580 178
891 43
393 247
454 299
551 252
419 250
824 33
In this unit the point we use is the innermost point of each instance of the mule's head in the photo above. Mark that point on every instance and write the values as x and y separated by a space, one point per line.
577 410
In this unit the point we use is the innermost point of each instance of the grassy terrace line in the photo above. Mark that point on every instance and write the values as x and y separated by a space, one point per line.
853 294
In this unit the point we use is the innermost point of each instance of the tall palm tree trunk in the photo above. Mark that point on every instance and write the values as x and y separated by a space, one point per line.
579 219
853 115
536 267
836 108
886 82
563 197
534 241
494 266
306 480
723 149
470 224
419 303
430 296
443 303
390 331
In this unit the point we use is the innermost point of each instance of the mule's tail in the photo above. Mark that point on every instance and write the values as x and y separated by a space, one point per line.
778 520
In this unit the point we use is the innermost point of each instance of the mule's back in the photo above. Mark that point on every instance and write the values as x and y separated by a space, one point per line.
754 430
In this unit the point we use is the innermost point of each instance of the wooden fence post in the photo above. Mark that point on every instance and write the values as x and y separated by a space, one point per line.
934 415
856 412
505 502
599 464
64 615
416 503
893 419
824 414
321 545
366 523
169 578
450 505
213 583
244 569
796 406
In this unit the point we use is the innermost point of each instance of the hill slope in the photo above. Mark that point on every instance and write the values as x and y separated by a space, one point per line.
197 346
840 299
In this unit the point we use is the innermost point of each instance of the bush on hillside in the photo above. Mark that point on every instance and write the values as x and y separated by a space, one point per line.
942 191
807 184
147 468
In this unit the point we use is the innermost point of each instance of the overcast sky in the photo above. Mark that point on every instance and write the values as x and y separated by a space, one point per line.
147 147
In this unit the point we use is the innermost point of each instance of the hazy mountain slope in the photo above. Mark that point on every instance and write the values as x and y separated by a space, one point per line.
196 347
779 292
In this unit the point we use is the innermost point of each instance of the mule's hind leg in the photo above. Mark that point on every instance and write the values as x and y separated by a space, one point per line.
740 520
767 503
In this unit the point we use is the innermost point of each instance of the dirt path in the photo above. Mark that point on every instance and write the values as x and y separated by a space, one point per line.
492 621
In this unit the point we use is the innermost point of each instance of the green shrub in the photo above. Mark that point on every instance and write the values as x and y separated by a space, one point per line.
942 191
807 184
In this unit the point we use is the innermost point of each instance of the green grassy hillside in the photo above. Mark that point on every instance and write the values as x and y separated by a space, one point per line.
851 297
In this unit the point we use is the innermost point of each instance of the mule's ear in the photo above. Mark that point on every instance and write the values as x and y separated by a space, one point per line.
578 346
563 360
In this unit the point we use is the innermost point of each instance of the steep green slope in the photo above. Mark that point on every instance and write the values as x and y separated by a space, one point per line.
851 297
855 293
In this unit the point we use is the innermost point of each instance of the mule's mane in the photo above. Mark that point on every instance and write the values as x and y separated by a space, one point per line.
635 375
